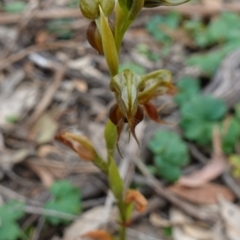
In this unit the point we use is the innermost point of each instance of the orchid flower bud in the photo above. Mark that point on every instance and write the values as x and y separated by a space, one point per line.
156 3
84 148
94 37
90 8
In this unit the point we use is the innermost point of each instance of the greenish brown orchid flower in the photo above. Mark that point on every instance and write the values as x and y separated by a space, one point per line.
133 94
157 3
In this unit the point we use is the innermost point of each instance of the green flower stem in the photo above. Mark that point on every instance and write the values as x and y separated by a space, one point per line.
122 24
116 183
122 233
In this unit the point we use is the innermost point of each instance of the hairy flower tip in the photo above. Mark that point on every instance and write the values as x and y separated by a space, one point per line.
90 8
157 3
98 235
94 37
135 197
80 144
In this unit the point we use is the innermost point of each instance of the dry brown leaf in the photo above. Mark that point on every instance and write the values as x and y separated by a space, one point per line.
89 221
206 194
17 103
43 173
80 85
11 157
45 150
98 235
218 231
213 5
44 129
198 232
214 168
134 196
178 233
231 217
158 221
42 37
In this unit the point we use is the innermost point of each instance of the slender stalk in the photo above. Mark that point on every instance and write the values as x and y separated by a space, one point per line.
122 233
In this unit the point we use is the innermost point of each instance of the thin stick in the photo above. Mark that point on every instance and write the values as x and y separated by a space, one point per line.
191 10
36 48
49 213
161 191
48 96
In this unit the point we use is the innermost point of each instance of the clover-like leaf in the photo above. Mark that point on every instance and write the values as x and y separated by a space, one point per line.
198 117
230 134
9 214
188 89
170 154
65 198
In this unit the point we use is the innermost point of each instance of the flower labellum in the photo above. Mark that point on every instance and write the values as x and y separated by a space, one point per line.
126 87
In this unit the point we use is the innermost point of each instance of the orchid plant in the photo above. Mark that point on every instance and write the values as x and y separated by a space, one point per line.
133 94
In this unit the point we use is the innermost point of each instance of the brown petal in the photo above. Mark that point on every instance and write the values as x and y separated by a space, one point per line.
137 118
117 118
152 112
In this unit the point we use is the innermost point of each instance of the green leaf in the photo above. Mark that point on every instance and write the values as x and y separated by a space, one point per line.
157 23
198 117
62 188
235 164
60 28
11 211
231 135
9 231
237 111
14 7
115 180
227 22
168 231
111 136
9 214
171 154
188 89
166 170
209 62
12 119
65 198
109 47
215 32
